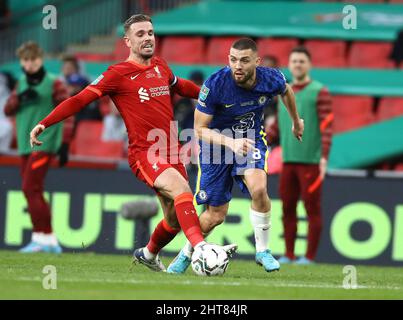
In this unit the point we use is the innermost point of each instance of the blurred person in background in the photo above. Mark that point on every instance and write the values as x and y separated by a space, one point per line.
397 50
37 92
4 14
70 66
114 128
304 164
7 83
270 111
184 113
75 84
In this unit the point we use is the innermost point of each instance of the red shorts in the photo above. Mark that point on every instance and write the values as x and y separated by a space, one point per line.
149 172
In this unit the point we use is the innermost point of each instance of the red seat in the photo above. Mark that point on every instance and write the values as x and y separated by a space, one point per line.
94 57
121 51
218 49
370 55
277 47
366 1
326 53
390 107
88 142
183 50
399 167
352 112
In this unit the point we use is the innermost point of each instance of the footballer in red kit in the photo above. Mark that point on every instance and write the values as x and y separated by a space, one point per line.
141 89
142 96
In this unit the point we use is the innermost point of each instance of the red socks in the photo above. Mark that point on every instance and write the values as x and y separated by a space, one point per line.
188 218
162 235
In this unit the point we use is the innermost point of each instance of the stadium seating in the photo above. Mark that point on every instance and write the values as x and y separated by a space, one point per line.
366 1
370 55
88 142
277 47
390 107
218 48
95 57
183 50
352 112
327 53
121 51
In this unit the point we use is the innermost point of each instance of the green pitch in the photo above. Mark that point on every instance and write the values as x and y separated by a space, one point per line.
93 276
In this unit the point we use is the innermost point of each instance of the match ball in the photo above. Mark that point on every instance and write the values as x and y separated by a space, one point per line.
209 260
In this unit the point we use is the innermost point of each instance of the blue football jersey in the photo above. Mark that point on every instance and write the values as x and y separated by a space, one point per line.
236 108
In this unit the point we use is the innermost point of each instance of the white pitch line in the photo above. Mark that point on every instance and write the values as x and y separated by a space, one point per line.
270 283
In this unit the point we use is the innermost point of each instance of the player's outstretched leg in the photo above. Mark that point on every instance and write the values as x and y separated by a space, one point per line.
179 213
148 256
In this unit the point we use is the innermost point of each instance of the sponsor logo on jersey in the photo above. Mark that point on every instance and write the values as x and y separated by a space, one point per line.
143 94
96 81
203 93
247 103
134 77
229 105
159 91
245 122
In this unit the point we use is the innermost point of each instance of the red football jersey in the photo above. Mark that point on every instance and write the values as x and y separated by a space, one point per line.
142 96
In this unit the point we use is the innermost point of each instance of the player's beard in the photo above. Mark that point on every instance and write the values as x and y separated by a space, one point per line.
146 56
246 78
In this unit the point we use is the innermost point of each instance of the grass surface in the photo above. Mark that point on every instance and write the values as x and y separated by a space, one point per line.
94 276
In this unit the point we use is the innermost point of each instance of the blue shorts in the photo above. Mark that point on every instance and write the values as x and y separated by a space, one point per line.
215 180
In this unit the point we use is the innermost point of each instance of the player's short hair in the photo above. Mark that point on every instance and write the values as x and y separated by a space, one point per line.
301 49
245 44
71 59
136 18
29 50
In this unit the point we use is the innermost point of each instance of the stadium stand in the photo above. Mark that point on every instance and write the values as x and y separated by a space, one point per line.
88 142
390 107
327 53
371 55
218 48
277 47
188 50
352 112
355 66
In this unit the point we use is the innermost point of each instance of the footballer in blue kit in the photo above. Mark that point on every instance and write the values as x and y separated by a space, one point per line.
241 111
228 123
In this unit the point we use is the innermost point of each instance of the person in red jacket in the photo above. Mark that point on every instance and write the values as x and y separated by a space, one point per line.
140 88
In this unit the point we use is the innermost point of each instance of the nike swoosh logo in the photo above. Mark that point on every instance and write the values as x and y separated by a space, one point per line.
134 77
229 105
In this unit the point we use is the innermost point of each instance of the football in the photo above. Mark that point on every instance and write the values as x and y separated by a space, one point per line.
209 260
